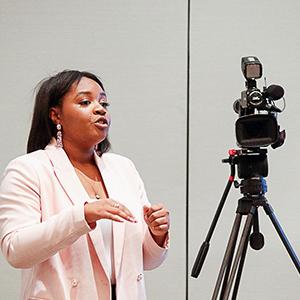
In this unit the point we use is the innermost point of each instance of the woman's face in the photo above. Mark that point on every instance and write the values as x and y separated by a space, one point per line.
83 114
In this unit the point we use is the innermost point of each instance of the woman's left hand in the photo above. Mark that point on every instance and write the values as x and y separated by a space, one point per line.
158 221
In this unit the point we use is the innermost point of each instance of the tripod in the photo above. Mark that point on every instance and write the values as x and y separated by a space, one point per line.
252 166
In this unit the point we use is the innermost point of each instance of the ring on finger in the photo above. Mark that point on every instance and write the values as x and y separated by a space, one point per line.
116 205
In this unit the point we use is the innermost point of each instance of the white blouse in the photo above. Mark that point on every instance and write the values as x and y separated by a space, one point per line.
93 188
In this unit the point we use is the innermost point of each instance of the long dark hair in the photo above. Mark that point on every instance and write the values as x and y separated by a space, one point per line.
50 93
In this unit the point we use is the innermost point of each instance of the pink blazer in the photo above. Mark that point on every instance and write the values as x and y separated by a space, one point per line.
43 230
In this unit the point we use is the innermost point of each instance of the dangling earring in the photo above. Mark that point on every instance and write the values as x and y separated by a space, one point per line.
59 143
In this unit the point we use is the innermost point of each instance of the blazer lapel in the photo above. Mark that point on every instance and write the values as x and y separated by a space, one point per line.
66 175
113 185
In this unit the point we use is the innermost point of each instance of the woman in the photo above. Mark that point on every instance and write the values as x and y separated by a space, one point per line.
74 218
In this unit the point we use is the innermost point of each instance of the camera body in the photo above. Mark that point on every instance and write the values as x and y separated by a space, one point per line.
257 123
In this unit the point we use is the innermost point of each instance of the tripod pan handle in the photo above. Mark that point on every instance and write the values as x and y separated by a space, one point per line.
200 259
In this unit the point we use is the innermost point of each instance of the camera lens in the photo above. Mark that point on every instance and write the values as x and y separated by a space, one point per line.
255 97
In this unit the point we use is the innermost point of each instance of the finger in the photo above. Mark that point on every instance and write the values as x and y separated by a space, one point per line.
157 207
126 216
119 205
163 228
113 217
154 208
158 214
158 222
121 211
146 220
116 204
126 210
146 209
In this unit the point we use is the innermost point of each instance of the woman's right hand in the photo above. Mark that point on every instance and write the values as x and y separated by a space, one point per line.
107 209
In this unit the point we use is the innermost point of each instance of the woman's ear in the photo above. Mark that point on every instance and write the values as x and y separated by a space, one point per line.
54 115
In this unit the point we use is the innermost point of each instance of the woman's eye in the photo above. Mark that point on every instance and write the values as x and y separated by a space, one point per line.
85 102
104 104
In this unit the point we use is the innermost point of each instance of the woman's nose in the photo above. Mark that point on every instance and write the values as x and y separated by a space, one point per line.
99 109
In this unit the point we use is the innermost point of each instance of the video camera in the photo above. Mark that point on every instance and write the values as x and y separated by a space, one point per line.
257 123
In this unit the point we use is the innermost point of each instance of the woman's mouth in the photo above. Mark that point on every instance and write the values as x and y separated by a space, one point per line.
101 123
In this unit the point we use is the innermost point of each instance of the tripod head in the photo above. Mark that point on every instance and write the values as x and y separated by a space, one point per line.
252 167
250 163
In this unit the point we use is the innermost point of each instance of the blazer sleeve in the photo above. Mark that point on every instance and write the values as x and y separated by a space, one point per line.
153 254
25 240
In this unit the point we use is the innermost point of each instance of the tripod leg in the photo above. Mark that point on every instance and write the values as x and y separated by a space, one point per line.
228 267
270 212
240 270
205 245
244 239
228 254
